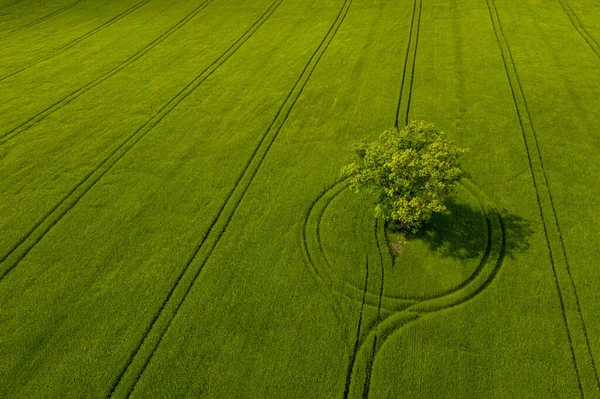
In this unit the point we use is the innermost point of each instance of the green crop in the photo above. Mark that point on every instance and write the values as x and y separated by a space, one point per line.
172 221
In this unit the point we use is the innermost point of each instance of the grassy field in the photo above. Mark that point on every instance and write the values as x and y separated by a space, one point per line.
173 222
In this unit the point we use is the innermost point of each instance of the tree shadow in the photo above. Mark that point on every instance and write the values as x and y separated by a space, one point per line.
461 232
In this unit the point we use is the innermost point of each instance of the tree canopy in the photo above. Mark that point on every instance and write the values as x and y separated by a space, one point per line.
410 171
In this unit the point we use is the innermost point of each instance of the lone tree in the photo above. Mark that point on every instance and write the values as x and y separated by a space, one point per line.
410 171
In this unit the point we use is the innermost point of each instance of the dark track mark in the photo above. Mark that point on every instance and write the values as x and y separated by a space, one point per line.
382 333
414 61
416 15
385 327
324 200
529 158
316 275
488 280
334 191
249 172
589 39
42 19
518 93
40 116
357 339
472 276
14 3
318 228
263 18
307 215
377 343
371 359
38 231
75 41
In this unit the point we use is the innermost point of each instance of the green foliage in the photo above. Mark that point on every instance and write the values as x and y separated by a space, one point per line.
410 171
251 317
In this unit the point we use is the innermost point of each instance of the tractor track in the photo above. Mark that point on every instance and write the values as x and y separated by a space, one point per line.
527 126
394 323
72 198
40 20
40 116
411 53
306 219
232 202
330 281
422 297
411 49
37 231
386 327
589 39
371 359
352 359
14 3
76 41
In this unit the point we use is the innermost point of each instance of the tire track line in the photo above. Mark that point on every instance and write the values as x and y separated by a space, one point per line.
398 320
326 205
589 39
75 41
352 359
411 56
387 327
158 327
325 275
68 201
313 270
326 197
40 20
544 196
489 279
371 359
40 116
14 3
550 197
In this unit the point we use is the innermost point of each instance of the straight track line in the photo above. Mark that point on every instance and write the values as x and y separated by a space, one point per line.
544 195
589 39
67 202
40 116
352 359
40 20
75 41
411 56
411 53
14 3
218 226
371 360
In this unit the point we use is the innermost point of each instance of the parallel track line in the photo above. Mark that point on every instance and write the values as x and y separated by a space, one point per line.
75 41
371 360
14 3
40 116
527 126
235 197
42 19
589 39
410 50
68 201
414 61
352 359
415 16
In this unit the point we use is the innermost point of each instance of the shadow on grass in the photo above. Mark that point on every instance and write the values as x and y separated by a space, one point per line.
461 232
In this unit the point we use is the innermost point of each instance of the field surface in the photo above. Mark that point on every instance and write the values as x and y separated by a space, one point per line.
173 222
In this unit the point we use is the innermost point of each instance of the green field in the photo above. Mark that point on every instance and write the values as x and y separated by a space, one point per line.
173 222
